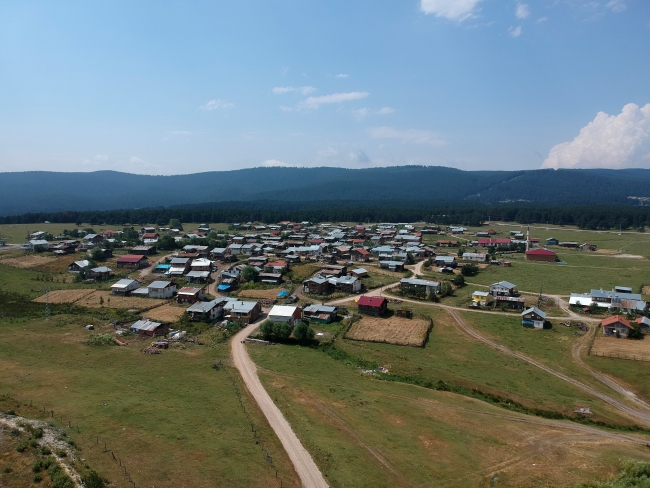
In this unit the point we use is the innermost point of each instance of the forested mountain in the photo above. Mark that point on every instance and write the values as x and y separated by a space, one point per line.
105 190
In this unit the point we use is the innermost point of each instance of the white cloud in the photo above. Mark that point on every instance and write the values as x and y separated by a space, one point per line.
523 11
609 141
411 136
386 111
360 112
215 104
272 163
514 31
358 157
616 5
304 90
135 160
101 157
341 75
328 153
180 132
542 19
315 102
364 112
450 9
284 108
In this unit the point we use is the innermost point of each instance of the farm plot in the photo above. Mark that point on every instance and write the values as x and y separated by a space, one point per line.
621 348
106 299
272 293
166 313
28 261
394 330
64 296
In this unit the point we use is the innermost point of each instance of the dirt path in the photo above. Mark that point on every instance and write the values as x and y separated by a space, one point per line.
144 272
302 461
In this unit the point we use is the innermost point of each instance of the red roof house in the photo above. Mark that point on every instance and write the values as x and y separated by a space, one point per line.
372 305
543 255
616 325
132 261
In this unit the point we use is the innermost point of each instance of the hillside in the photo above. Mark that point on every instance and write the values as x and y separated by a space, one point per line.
106 190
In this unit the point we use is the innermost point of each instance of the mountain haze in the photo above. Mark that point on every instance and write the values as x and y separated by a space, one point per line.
106 190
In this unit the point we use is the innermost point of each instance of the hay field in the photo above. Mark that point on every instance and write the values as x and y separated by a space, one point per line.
28 261
624 348
60 264
394 330
272 293
115 301
165 313
64 296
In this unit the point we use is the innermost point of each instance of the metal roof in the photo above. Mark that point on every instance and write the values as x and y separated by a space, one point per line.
239 306
145 324
160 284
123 283
535 310
504 284
282 311
204 307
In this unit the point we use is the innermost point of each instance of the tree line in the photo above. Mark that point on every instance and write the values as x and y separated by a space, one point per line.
594 217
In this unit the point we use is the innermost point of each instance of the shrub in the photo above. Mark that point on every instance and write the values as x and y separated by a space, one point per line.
38 478
22 447
7 470
45 451
101 340
469 270
303 333
61 453
93 480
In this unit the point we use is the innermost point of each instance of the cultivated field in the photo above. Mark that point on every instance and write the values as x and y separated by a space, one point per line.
114 301
272 293
28 261
64 296
394 330
621 348
165 313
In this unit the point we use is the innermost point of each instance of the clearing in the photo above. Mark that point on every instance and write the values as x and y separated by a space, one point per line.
64 296
394 330
166 313
621 348
28 261
107 299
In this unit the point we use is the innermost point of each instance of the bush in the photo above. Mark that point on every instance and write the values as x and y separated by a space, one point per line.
22 446
469 270
458 281
45 451
38 478
93 480
101 340
61 453
303 333
59 478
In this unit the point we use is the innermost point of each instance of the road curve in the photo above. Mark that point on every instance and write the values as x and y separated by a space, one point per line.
305 466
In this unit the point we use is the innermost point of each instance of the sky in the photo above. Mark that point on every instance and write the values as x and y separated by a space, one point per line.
177 87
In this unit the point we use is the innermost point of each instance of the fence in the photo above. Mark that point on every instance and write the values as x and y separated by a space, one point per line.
617 355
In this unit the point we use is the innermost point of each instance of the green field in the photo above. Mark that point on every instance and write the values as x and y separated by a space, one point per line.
171 418
369 433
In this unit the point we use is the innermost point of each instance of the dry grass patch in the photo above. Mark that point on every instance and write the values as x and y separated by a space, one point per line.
28 261
394 330
106 299
166 313
64 296
272 293
623 348
60 264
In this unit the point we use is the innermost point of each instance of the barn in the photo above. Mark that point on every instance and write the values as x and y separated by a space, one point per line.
541 255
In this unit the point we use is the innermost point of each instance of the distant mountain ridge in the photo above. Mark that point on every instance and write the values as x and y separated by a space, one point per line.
39 191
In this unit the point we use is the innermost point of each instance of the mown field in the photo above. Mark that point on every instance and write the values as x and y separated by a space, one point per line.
365 432
171 418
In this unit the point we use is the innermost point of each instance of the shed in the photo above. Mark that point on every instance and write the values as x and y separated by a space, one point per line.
541 255
533 317
124 287
147 327
285 313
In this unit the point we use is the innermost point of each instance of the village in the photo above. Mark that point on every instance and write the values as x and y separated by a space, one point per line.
291 272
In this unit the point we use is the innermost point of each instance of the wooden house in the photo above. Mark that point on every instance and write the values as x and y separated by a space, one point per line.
616 326
376 306
190 294
533 317
132 261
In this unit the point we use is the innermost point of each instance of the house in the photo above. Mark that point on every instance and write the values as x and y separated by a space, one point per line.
35 244
190 294
392 265
161 289
517 303
242 311
279 266
270 278
533 317
475 257
101 273
79 266
179 266
197 276
334 270
552 241
220 253
285 313
318 285
626 302
321 314
445 261
360 255
481 299
541 255
124 287
569 244
92 239
149 328
346 284
132 261
644 322
415 283
376 306
143 250
503 289
201 264
207 311
359 273
162 268
616 326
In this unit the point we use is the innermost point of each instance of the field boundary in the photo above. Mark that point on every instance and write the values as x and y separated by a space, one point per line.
630 357
384 341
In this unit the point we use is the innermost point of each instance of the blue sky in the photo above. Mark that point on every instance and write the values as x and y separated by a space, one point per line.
183 87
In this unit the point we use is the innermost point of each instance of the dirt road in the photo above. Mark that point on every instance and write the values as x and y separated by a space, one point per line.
302 461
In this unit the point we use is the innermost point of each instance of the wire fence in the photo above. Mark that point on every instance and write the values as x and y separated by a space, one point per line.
618 355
